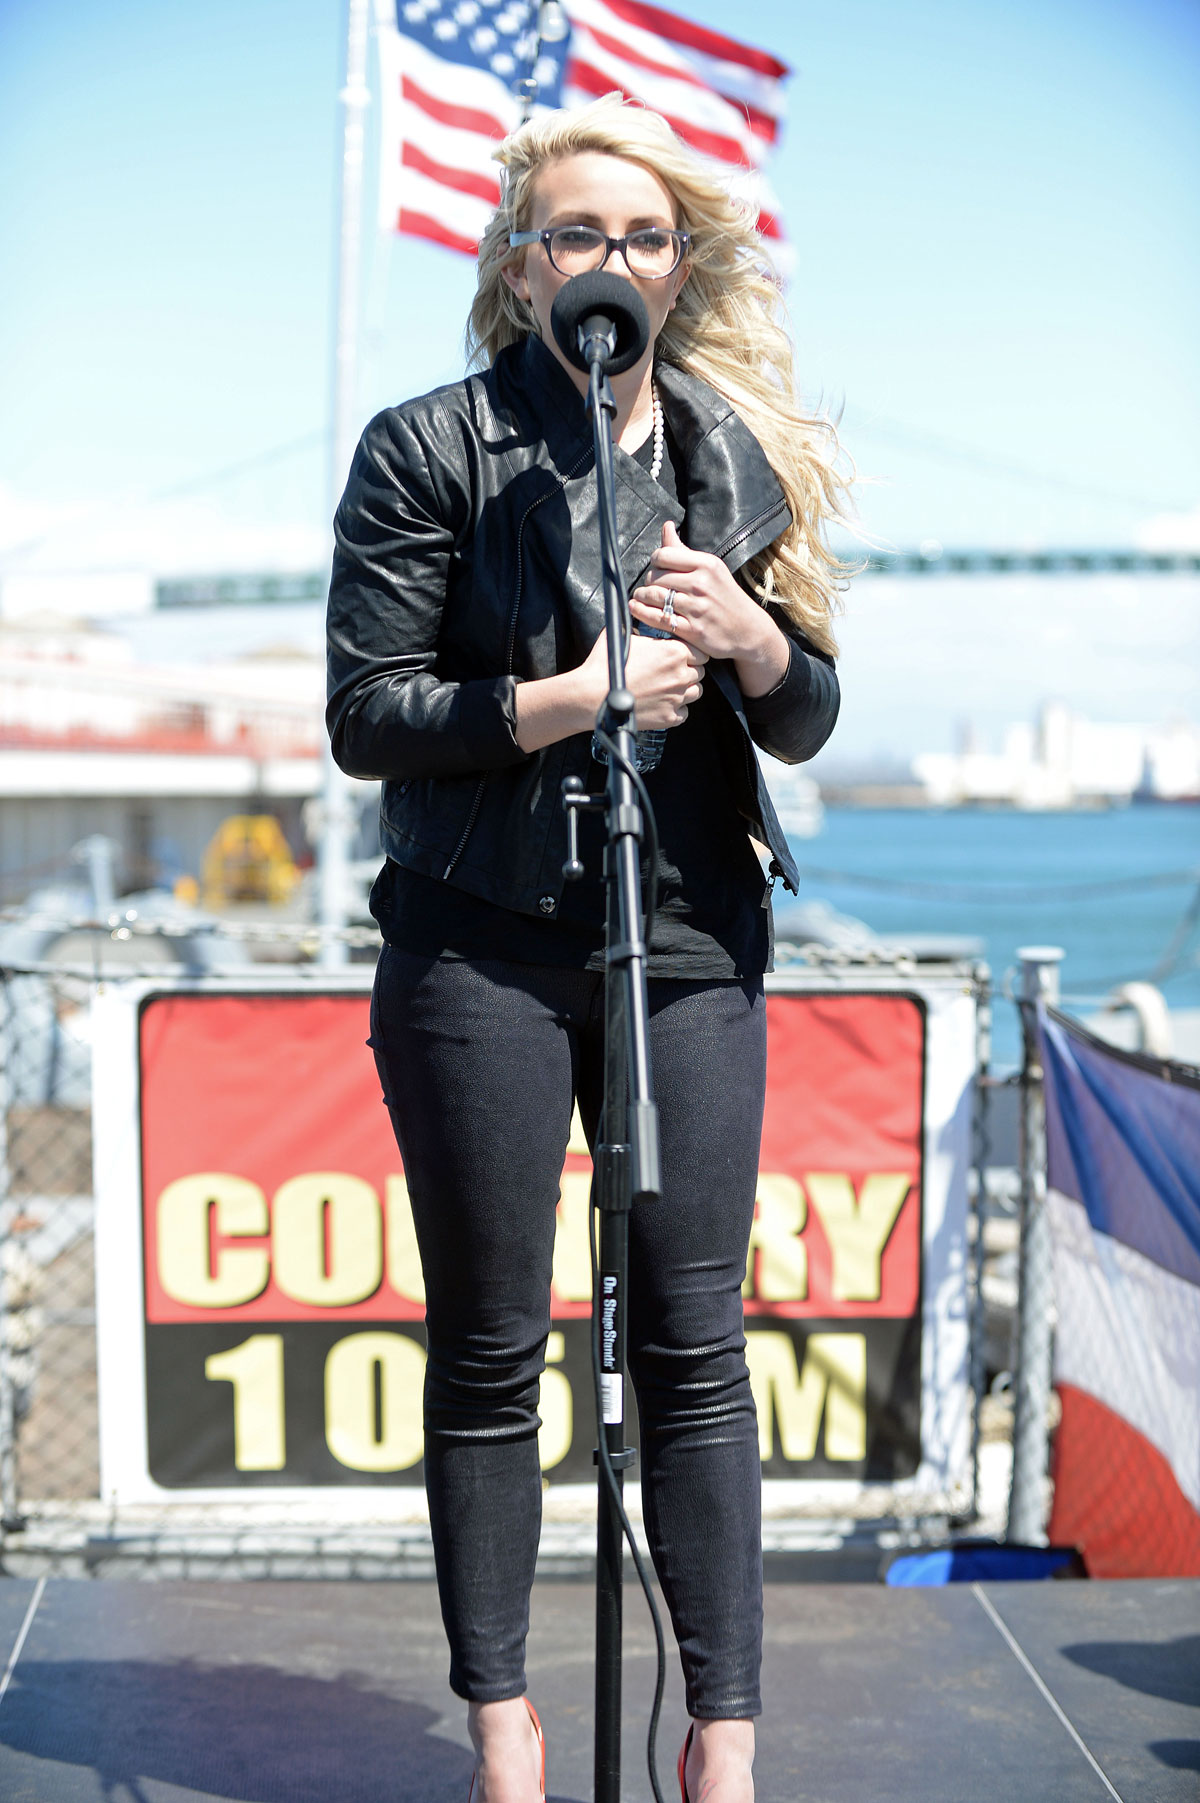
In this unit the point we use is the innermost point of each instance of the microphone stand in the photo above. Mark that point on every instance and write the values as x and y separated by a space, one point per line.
627 1160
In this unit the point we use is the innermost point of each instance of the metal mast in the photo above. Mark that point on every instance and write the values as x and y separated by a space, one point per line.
336 811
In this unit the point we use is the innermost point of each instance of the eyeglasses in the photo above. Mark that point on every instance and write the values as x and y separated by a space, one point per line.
652 253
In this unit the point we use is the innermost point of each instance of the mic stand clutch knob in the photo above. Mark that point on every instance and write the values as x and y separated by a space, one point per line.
574 798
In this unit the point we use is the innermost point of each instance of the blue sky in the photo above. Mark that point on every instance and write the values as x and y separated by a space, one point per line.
995 208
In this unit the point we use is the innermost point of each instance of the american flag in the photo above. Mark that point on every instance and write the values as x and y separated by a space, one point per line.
452 74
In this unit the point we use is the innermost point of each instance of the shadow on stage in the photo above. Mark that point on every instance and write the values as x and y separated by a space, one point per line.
245 1731
1165 1668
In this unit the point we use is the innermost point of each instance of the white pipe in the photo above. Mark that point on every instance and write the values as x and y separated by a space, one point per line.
1153 1017
1035 1296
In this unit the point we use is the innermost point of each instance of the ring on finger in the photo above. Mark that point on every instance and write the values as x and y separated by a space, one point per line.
668 612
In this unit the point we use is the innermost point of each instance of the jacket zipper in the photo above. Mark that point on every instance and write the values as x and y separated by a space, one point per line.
732 543
774 871
473 815
466 832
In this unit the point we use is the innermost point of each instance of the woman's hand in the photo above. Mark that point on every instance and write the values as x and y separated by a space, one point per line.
664 676
713 613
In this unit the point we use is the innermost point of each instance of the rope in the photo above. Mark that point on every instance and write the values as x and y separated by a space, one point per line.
1168 964
1001 893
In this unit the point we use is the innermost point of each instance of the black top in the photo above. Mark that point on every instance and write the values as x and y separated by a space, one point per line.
713 918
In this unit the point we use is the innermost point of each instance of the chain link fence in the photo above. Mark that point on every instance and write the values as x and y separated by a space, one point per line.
48 1373
54 1516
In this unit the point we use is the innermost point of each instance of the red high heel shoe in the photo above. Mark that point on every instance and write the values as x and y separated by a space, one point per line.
684 1750
541 1741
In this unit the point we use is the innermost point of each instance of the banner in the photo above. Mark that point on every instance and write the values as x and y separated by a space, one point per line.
1123 1195
258 1270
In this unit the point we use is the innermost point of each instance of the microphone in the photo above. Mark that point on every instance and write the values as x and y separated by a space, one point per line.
600 318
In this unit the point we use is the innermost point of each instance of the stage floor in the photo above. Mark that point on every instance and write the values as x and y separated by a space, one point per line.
336 1693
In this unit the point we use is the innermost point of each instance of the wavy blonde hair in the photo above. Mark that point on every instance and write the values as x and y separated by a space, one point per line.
728 328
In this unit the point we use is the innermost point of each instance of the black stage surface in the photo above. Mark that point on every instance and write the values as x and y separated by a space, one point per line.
336 1693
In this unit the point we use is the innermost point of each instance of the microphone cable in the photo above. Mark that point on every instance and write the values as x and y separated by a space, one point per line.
649 904
614 1491
650 884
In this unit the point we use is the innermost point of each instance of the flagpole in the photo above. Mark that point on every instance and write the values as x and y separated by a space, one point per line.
336 810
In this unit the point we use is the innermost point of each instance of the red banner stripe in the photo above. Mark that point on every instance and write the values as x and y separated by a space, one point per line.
465 181
420 225
761 124
769 226
711 143
697 37
1116 1498
464 118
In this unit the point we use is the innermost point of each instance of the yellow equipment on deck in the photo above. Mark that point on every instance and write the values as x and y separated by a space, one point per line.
248 860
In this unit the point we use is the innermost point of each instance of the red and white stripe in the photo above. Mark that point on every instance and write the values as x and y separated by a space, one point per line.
439 179
441 122
1127 1451
1128 1334
723 98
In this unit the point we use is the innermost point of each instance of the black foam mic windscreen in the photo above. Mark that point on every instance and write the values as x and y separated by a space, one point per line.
598 306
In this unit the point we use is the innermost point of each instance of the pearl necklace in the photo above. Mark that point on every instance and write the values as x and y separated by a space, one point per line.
660 437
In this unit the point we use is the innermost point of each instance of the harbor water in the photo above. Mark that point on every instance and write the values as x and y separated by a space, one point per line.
1083 880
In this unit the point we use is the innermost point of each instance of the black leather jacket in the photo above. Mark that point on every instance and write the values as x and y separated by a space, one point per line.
468 560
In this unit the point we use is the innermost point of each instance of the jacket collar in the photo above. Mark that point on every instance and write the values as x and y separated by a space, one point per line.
735 505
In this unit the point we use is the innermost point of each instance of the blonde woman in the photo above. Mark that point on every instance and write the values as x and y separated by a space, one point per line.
466 669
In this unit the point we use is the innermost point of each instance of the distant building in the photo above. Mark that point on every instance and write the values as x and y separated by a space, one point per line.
1065 761
152 755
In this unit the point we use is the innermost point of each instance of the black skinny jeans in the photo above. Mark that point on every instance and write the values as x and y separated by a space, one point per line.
479 1063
